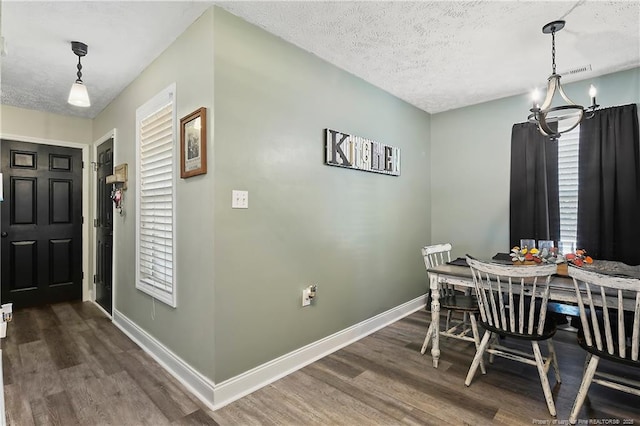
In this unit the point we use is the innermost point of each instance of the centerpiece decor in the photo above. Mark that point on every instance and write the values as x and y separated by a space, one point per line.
525 256
578 258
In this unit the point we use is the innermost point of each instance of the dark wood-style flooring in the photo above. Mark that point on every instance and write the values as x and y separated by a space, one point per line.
66 364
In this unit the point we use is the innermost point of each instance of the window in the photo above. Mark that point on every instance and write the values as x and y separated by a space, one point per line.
155 216
600 162
568 148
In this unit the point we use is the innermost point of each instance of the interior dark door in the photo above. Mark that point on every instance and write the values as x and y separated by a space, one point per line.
104 227
41 223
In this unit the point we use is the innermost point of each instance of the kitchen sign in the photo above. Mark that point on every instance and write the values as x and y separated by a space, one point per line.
355 152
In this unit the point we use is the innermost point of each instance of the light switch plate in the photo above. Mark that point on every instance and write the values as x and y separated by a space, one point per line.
239 199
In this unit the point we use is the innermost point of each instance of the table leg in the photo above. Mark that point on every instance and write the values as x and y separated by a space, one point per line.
435 318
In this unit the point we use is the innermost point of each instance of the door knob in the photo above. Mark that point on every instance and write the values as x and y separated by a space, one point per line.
3 235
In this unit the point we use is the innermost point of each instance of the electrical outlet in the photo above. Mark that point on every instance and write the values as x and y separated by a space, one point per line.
306 299
239 199
308 294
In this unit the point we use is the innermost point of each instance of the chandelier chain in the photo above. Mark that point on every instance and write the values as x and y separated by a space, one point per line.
553 50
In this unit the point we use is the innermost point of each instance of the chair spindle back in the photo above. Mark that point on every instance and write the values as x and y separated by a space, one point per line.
435 255
512 298
616 304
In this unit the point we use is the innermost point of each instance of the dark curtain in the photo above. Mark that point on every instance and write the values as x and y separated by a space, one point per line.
609 185
534 209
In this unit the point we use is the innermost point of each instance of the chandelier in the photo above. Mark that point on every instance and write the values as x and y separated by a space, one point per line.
552 121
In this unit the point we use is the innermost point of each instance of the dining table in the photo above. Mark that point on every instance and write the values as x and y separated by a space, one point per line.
562 291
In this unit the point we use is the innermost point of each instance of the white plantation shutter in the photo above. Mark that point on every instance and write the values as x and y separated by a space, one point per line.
155 255
568 150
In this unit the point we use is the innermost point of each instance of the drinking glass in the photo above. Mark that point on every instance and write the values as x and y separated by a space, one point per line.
548 244
527 243
565 247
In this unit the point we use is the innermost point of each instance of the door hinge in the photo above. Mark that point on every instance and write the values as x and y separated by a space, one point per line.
95 223
83 275
83 164
83 220
94 278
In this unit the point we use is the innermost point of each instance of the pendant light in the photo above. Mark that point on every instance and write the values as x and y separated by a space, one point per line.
78 94
552 121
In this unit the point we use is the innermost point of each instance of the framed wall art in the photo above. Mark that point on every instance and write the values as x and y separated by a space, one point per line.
193 144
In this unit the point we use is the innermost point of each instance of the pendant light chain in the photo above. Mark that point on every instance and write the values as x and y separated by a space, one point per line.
79 73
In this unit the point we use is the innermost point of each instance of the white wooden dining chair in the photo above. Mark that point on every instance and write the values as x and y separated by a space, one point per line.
513 303
609 329
452 301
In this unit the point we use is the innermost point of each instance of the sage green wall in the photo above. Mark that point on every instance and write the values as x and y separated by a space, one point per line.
470 163
44 125
356 235
186 330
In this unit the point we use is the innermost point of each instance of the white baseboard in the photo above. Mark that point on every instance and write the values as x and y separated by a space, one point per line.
252 380
198 384
221 394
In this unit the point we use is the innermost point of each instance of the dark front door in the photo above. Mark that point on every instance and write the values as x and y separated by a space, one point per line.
104 227
41 223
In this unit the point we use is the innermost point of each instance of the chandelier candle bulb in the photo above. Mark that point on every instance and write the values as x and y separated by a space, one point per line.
592 93
535 97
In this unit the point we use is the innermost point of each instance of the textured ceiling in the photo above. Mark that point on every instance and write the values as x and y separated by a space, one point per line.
436 55
123 39
440 55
